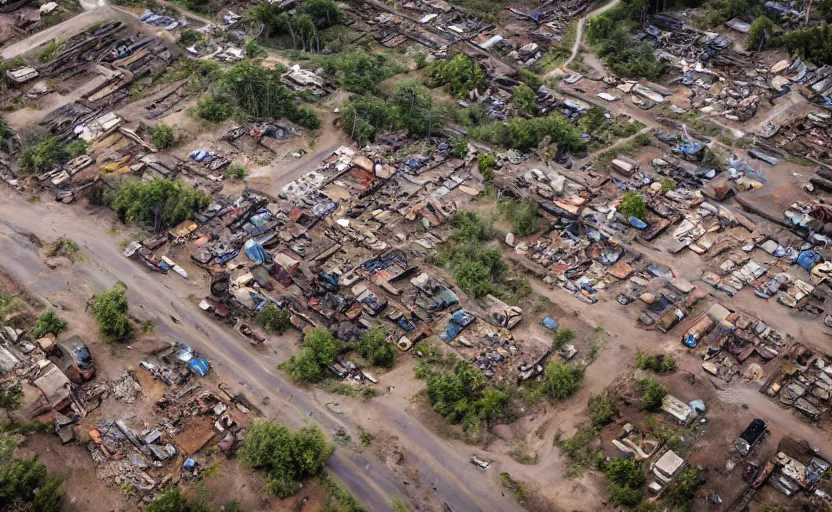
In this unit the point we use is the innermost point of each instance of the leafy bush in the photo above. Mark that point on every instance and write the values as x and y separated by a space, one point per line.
653 393
373 347
259 93
524 134
461 74
274 320
172 500
478 271
681 493
668 184
25 485
364 116
189 37
561 380
44 156
814 44
162 136
525 99
360 72
319 351
659 363
215 108
522 215
602 409
562 337
110 310
462 396
459 147
485 164
236 171
633 205
286 455
157 204
48 322
324 13
760 30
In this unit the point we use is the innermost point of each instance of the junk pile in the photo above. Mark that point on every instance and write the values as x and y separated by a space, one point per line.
803 382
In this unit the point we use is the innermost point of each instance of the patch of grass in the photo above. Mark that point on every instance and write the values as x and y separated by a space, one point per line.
8 305
578 449
50 51
25 429
337 498
347 390
562 337
520 453
518 490
34 198
67 248
365 437
147 326
801 160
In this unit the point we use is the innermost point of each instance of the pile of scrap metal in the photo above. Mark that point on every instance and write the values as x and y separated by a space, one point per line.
795 467
304 80
803 381
809 136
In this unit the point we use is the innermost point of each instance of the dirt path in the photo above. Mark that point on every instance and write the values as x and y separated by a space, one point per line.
67 29
579 38
437 462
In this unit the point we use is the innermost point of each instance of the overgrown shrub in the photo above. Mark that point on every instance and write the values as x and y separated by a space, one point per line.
633 205
158 204
524 134
659 363
373 347
460 74
561 380
319 352
287 456
653 393
485 164
522 215
602 409
215 108
162 136
562 337
110 310
48 322
462 396
274 320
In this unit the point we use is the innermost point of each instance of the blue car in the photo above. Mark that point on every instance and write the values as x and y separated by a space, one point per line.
195 362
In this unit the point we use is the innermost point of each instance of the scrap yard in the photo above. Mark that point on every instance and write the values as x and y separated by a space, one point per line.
415 255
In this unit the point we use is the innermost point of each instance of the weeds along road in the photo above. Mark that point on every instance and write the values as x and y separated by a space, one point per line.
443 468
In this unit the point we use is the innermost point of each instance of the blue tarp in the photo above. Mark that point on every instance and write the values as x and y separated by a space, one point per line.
550 323
637 223
256 253
807 259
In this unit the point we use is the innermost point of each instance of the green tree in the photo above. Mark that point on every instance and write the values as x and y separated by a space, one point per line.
359 72
110 310
373 347
592 120
162 136
760 30
461 74
274 320
259 93
653 393
525 99
412 104
287 456
11 396
626 481
561 380
48 322
215 108
633 205
813 43
324 13
158 204
24 485
364 116
319 351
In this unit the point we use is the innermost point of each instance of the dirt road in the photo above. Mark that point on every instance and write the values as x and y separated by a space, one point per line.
579 36
440 463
